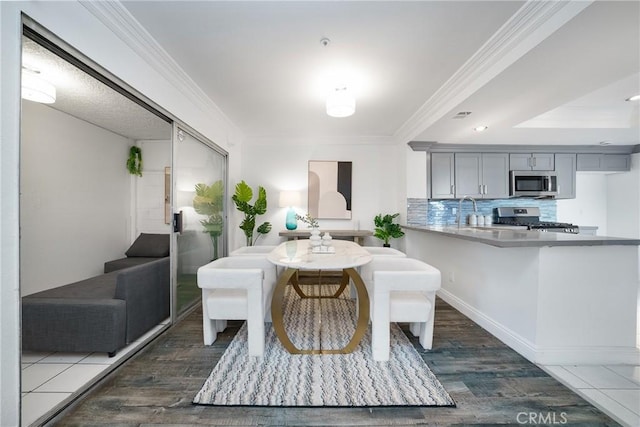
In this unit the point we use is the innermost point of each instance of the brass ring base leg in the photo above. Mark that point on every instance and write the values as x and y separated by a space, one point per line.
291 276
343 285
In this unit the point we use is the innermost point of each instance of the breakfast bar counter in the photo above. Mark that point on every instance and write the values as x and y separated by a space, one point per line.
512 237
556 298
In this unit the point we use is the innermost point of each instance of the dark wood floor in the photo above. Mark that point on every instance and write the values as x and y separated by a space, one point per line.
490 383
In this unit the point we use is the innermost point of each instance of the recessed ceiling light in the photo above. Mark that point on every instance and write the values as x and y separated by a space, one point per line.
462 114
480 128
633 98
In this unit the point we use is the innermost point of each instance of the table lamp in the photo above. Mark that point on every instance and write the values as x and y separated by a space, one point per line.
290 199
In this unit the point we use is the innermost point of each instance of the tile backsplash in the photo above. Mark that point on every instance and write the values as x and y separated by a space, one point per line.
441 212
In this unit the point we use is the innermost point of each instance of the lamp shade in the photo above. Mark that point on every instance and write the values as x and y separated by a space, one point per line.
341 103
289 198
35 88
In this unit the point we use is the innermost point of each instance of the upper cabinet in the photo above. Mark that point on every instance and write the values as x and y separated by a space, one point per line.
442 176
481 175
531 161
604 162
566 173
483 171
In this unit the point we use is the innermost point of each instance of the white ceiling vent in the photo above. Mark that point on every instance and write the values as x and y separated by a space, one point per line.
462 115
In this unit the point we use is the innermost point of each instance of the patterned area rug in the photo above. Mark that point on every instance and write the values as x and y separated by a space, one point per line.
284 379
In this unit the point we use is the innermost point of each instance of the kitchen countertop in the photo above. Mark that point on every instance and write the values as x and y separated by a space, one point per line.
518 237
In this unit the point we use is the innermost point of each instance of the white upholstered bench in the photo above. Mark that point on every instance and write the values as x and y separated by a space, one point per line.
237 288
401 290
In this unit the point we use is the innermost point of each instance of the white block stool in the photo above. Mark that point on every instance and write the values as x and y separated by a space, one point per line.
401 290
383 251
253 250
237 288
375 251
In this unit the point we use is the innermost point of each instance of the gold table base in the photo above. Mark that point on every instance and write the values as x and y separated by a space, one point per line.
291 276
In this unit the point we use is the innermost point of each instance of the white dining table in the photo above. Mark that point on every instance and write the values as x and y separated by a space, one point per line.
298 255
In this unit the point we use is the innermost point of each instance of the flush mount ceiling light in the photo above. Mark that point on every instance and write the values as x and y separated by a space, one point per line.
480 128
633 98
35 88
340 102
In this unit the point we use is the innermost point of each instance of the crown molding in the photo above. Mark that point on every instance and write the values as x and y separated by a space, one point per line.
434 147
532 23
120 21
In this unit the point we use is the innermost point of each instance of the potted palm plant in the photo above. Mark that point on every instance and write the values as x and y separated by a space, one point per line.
209 201
241 198
386 228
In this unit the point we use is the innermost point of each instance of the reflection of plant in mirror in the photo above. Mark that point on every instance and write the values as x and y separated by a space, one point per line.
209 201
241 198
309 220
386 229
134 162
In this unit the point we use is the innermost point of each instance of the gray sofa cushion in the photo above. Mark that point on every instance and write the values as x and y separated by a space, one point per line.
119 264
149 245
99 287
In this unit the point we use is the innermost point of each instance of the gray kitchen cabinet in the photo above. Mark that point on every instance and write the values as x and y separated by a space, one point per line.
442 176
604 162
482 175
531 161
566 172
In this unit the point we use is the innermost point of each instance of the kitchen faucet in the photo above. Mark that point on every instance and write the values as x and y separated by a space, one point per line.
475 207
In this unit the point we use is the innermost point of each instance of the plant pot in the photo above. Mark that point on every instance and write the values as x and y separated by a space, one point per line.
386 245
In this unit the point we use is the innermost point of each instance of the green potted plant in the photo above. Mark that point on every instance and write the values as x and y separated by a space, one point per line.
209 201
134 162
386 228
241 198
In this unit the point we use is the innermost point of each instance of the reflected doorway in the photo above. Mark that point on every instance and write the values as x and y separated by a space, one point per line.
200 189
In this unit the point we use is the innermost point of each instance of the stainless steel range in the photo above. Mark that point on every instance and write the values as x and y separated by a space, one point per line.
530 217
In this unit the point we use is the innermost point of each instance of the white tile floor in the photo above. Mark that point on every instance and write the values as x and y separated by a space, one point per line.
49 379
614 389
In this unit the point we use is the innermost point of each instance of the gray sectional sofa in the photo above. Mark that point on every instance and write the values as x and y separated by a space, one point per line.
106 312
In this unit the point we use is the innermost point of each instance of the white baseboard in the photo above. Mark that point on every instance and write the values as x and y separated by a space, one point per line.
544 355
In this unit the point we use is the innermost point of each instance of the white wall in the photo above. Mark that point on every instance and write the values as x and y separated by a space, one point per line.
74 23
589 208
610 201
378 180
416 172
74 205
623 201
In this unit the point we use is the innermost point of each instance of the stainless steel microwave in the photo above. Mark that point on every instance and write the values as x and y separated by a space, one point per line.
536 184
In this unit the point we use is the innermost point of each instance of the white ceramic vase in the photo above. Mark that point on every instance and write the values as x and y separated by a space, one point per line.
326 239
315 239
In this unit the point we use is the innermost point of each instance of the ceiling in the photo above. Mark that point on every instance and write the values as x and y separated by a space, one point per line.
84 97
533 72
